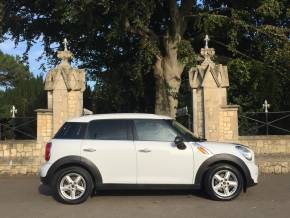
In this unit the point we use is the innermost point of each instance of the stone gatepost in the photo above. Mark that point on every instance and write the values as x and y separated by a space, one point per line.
65 86
213 118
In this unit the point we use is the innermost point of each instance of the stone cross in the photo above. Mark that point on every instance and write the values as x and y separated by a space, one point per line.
13 111
65 42
206 39
266 106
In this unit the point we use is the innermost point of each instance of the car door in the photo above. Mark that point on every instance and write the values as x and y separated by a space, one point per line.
109 145
159 161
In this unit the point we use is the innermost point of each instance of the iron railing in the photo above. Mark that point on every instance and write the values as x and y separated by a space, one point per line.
183 116
264 123
18 128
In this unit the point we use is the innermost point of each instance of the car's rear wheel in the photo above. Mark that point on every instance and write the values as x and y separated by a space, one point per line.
223 182
72 185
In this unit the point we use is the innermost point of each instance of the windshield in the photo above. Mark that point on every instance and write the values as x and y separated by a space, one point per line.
184 132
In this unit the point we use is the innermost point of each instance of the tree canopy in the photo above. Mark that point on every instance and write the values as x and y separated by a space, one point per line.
11 70
138 52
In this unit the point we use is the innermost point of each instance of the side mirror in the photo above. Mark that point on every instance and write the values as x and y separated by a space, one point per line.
179 143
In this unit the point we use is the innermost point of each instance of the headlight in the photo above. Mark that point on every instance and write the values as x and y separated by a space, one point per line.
245 152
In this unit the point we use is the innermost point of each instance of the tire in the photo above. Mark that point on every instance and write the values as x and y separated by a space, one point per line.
72 185
223 182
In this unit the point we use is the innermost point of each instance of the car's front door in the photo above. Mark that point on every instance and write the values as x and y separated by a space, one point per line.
159 161
109 145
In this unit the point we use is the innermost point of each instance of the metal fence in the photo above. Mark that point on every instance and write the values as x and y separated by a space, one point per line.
183 116
18 128
264 123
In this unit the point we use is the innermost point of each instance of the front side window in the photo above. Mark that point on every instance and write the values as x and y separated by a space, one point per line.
183 131
154 130
108 130
71 130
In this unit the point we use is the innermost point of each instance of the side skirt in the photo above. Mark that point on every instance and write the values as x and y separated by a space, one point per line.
146 187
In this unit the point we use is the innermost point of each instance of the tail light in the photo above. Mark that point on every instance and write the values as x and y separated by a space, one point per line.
47 151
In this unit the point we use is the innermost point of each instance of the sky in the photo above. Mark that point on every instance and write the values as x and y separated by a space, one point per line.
8 47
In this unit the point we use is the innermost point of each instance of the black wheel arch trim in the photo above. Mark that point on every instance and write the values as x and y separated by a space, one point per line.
74 161
224 158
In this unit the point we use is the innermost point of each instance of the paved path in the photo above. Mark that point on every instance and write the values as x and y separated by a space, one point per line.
24 197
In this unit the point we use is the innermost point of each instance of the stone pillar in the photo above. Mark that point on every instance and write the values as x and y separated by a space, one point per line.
213 119
65 86
44 125
44 129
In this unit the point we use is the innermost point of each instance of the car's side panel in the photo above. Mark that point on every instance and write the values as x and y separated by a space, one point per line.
73 161
164 163
116 159
64 147
223 158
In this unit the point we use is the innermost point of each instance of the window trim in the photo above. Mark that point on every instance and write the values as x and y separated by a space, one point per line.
129 130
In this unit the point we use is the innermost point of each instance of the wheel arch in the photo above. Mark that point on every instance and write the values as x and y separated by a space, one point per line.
226 159
69 161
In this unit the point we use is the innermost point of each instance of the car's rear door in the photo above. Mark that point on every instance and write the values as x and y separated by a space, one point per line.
109 145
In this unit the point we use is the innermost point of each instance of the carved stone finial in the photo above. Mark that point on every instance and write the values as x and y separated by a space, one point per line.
64 55
207 53
206 39
65 42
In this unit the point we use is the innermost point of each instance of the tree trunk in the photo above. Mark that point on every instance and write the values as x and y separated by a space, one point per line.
167 73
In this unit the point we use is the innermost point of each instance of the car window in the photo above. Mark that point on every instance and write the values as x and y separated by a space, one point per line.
71 130
108 130
154 130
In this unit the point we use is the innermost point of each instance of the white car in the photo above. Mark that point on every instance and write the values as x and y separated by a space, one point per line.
141 151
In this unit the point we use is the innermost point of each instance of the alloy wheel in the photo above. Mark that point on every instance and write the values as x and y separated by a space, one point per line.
224 183
72 186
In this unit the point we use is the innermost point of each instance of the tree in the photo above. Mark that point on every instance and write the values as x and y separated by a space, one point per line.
11 70
120 39
27 95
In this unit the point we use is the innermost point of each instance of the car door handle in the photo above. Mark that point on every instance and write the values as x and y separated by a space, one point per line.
89 149
145 150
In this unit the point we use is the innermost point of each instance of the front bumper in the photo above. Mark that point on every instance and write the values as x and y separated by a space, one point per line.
254 171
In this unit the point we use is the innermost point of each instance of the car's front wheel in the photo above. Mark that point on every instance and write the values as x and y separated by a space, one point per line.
72 185
223 182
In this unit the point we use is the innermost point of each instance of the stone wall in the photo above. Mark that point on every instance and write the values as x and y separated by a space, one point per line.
26 156
228 123
20 157
272 144
272 152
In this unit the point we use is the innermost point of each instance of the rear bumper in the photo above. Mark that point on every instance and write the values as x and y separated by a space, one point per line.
44 180
44 173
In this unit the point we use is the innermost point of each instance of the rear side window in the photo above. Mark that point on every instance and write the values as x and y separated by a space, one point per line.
109 130
71 130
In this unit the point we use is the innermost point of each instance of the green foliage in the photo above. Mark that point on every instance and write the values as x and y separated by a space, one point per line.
11 70
117 42
186 54
27 95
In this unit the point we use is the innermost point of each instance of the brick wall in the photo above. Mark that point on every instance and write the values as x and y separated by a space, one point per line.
20 157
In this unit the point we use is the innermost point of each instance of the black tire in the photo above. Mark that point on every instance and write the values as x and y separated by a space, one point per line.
72 170
208 187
